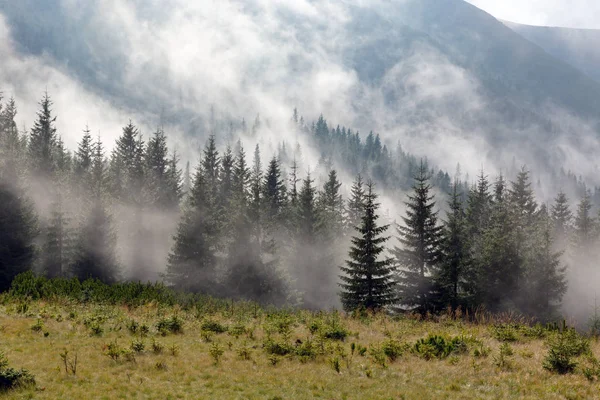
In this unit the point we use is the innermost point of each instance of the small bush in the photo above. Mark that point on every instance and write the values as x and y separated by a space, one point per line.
278 348
170 325
563 348
481 351
138 346
38 326
210 325
506 332
96 329
157 347
306 350
393 349
113 351
436 346
133 326
238 330
244 352
11 378
503 361
216 352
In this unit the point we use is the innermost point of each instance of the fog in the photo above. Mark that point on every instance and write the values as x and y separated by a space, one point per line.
182 64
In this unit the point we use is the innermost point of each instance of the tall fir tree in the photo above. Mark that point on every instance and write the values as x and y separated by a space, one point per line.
419 256
367 278
18 230
356 205
57 253
192 261
562 218
95 252
454 280
42 140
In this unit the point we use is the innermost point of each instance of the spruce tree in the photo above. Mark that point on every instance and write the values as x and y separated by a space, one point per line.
273 194
500 263
562 217
82 162
367 279
419 256
42 140
192 261
545 279
158 192
584 223
95 253
356 205
57 253
18 230
454 279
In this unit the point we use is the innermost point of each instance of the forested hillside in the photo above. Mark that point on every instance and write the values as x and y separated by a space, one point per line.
244 226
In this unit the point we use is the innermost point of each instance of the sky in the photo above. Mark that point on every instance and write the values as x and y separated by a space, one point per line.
565 13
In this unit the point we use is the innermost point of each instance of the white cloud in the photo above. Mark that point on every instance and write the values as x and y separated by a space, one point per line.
566 13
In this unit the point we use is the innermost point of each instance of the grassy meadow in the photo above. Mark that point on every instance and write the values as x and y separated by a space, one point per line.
81 350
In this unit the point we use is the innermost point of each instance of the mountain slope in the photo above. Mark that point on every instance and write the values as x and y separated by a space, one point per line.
578 47
448 79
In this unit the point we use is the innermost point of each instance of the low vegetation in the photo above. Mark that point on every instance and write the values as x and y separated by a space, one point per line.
175 346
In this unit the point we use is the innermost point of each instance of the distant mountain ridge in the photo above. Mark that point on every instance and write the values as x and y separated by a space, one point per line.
578 47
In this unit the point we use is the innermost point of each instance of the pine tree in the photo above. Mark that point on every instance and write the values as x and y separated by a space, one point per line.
95 254
584 223
57 253
420 255
226 178
157 190
356 205
561 215
173 183
331 205
192 261
545 280
274 193
500 263
127 167
43 139
454 279
82 162
18 229
367 278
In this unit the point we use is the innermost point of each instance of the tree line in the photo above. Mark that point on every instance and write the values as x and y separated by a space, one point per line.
265 231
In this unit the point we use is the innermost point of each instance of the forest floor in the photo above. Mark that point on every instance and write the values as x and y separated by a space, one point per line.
158 352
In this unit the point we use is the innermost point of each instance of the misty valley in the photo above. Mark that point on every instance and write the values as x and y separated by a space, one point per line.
338 200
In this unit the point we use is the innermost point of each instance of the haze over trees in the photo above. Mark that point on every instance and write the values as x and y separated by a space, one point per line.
261 228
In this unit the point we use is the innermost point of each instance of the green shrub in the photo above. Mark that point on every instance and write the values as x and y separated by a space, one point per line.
306 350
11 378
436 346
138 346
216 352
503 359
170 325
210 325
506 332
393 349
38 326
157 347
563 347
272 346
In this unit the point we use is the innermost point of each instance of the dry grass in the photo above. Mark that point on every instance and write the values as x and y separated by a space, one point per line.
186 369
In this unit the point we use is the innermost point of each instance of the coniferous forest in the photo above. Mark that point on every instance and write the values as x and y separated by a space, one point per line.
246 225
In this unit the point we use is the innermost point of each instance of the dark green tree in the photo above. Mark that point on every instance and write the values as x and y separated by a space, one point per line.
419 256
367 278
42 140
95 253
454 280
18 230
